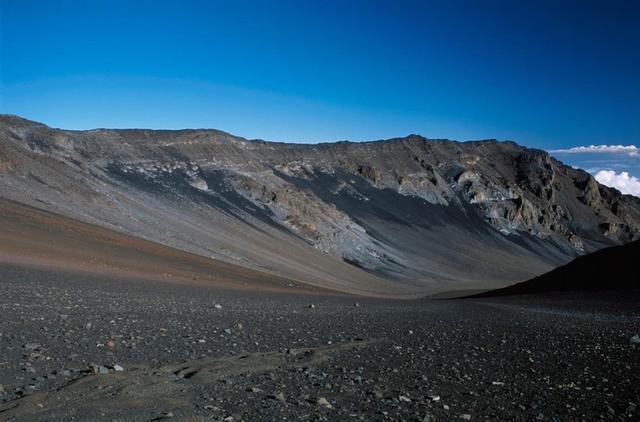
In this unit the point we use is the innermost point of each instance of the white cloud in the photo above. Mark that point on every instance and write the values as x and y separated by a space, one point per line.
631 150
622 181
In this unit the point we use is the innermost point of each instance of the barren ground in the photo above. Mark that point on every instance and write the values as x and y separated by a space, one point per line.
274 356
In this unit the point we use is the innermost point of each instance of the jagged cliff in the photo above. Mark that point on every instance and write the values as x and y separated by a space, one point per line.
409 213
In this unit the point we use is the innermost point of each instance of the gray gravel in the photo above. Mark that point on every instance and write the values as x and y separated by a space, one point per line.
89 349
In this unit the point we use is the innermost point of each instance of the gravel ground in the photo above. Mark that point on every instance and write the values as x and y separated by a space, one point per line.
98 349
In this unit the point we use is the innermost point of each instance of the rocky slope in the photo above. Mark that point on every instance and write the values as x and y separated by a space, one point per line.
419 215
43 241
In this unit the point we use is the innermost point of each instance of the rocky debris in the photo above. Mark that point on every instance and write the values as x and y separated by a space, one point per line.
565 357
370 173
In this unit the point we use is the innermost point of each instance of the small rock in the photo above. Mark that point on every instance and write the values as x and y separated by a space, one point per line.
465 416
433 397
279 396
631 408
99 369
118 368
404 398
110 344
217 306
312 306
635 342
227 330
324 403
31 346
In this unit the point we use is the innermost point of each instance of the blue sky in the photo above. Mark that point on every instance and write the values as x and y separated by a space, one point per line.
547 74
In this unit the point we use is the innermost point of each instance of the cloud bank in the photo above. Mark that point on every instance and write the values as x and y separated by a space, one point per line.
631 150
622 181
616 166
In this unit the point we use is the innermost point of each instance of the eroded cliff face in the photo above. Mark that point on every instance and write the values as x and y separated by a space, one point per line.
428 212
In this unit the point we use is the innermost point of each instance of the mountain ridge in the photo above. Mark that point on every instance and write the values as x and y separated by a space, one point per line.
8 118
418 213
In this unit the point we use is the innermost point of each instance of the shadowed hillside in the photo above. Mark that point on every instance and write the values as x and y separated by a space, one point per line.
614 268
